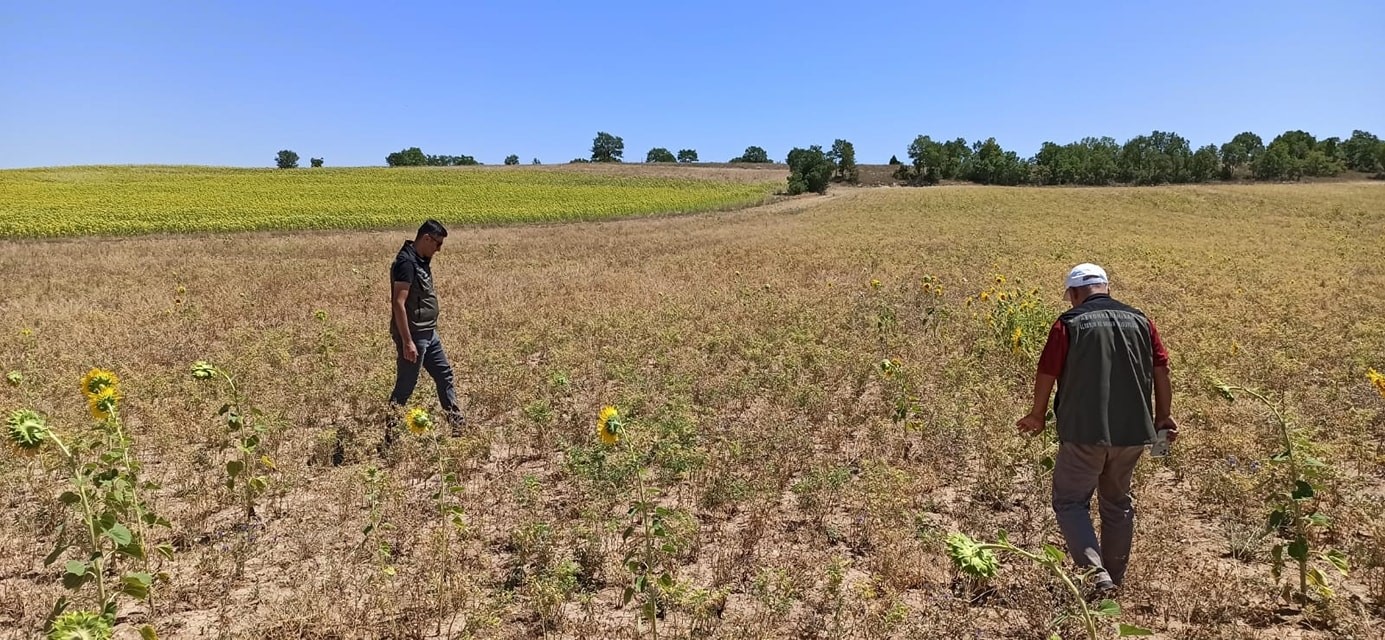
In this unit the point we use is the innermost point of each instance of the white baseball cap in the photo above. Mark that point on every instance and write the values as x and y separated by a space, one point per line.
1086 274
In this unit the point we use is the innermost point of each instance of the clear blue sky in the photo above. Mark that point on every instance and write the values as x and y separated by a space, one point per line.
231 83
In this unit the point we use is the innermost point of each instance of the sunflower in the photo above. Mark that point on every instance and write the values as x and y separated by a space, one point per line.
971 558
102 403
1378 379
418 421
80 625
1015 338
15 378
26 430
98 379
203 370
874 284
608 425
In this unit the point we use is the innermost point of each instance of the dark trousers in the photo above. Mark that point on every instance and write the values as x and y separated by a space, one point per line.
432 359
1083 469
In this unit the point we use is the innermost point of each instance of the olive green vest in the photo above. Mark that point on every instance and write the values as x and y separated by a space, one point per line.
1105 393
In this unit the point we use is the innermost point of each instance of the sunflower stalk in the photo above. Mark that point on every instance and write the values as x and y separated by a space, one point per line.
977 560
246 431
106 495
1294 510
647 532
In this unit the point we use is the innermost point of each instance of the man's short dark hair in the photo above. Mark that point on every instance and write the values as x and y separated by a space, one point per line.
432 228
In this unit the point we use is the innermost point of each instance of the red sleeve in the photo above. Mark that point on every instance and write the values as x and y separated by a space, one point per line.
1161 355
1055 351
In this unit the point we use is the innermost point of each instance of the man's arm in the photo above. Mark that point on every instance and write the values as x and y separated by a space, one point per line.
401 320
1051 363
1034 422
1163 403
1163 389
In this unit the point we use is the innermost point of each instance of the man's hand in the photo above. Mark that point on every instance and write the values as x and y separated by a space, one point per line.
410 351
1031 424
1167 424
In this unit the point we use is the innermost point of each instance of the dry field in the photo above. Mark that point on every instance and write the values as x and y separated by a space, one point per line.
804 491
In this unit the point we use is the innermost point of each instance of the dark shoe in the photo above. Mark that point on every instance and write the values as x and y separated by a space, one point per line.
1102 590
391 434
457 422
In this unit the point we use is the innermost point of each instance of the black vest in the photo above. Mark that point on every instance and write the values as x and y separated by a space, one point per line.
422 303
1105 393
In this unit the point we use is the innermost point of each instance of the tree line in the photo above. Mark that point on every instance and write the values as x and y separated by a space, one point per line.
1160 157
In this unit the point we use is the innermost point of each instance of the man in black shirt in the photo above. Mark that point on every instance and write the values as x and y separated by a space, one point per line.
414 323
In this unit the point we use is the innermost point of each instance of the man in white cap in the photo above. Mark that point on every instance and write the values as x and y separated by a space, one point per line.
1112 374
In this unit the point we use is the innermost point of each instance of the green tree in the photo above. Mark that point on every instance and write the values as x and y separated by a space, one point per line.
1242 152
411 157
843 155
1332 149
1295 154
512 159
449 161
1359 152
1204 164
687 155
809 170
607 148
752 154
926 159
1094 161
316 163
1156 158
535 161
1054 164
956 154
1276 163
894 160
660 154
991 164
286 160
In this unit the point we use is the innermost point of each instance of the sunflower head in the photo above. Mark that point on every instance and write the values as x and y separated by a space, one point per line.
15 378
98 379
203 370
418 421
80 625
102 404
970 558
874 284
1378 379
26 430
889 368
609 425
